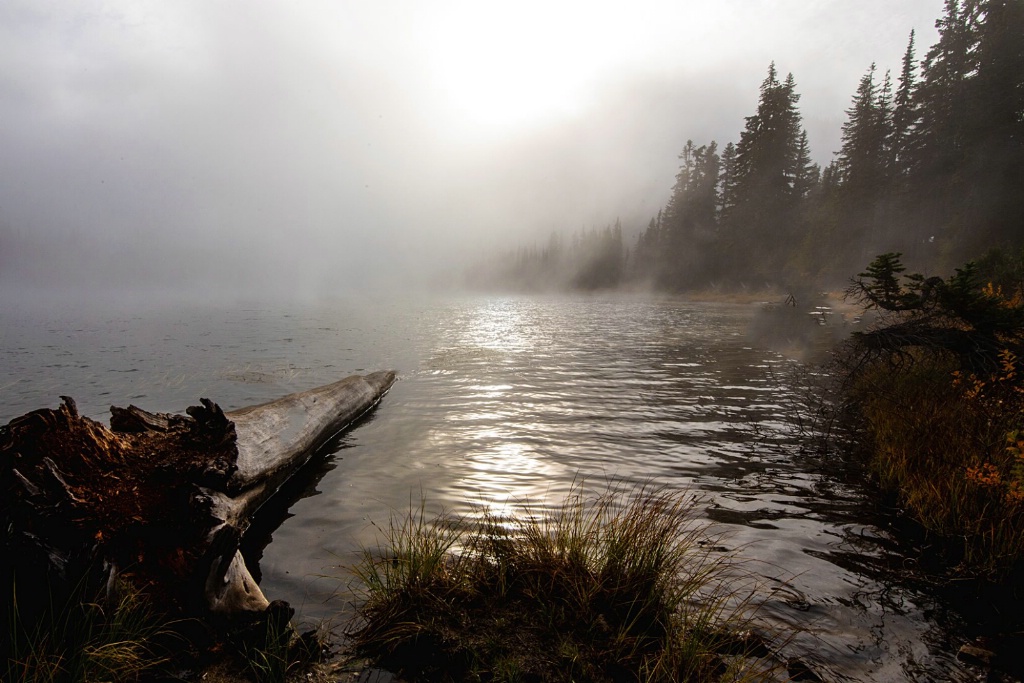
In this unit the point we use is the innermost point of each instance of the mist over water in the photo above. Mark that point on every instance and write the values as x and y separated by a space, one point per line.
267 151
506 399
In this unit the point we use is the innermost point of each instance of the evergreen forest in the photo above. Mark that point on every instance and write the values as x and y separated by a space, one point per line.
931 166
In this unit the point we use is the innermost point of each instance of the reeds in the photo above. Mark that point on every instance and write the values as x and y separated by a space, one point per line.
606 588
272 652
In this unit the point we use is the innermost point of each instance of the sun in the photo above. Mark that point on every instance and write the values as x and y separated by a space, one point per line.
497 69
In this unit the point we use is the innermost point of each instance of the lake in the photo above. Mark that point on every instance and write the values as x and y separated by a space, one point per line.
507 399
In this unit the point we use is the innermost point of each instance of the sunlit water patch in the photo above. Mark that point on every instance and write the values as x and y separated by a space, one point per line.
507 400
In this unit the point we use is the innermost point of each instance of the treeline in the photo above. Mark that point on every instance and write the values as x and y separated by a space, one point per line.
587 260
931 165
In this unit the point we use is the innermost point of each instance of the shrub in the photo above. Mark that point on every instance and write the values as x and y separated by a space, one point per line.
938 386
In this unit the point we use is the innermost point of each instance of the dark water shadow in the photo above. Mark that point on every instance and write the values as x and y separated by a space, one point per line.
303 484
878 540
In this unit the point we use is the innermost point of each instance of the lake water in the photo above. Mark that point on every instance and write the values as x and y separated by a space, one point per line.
502 399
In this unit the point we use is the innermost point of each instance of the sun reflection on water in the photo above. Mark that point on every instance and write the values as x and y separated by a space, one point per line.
506 475
506 464
500 326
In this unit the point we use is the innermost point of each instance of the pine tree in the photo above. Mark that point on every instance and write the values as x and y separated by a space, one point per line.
765 172
791 130
942 98
690 221
886 112
807 223
703 190
727 180
1000 69
939 187
675 210
642 266
864 166
996 155
768 148
859 119
862 157
905 113
806 172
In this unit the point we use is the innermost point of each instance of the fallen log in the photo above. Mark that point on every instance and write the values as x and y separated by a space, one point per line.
160 499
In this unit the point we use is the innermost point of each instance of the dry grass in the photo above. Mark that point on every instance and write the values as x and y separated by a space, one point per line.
120 639
609 588
88 637
942 446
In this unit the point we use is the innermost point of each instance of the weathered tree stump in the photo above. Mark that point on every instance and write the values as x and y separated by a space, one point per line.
162 499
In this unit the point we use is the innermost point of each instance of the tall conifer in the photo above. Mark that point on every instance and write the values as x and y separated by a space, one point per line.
904 114
760 221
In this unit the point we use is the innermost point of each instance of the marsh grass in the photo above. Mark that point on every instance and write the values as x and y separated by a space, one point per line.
606 588
82 639
271 650
928 438
268 657
85 636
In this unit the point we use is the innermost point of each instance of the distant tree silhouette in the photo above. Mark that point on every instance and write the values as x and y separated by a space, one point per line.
759 226
931 166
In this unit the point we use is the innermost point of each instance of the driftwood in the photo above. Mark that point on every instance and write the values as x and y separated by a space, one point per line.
161 499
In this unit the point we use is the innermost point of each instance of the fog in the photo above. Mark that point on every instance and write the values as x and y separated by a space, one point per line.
304 149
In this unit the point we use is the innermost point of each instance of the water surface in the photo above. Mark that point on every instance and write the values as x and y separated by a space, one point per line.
506 399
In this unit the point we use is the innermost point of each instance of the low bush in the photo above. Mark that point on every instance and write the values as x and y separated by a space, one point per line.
953 459
938 388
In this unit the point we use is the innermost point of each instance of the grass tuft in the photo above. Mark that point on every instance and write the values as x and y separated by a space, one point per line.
607 588
119 639
87 636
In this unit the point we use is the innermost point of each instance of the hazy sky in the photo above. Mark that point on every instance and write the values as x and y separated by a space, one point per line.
306 146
